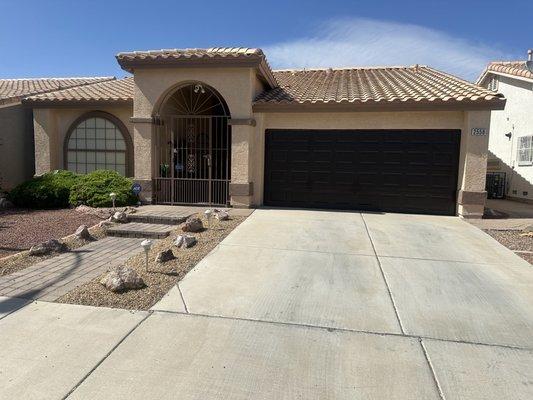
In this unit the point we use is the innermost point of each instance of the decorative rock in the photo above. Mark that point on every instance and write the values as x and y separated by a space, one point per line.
164 256
83 233
122 278
120 216
185 241
104 224
5 203
193 224
52 245
222 215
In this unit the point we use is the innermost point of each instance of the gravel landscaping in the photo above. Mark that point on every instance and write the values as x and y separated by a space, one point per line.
162 276
516 241
20 228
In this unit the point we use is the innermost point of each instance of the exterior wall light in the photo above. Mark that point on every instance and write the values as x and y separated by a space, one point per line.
199 88
146 245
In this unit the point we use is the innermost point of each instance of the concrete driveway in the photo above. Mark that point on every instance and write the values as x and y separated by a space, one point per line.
310 305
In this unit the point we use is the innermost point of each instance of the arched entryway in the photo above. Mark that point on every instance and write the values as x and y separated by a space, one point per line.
192 147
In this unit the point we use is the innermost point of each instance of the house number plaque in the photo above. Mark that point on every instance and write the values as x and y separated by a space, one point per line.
479 131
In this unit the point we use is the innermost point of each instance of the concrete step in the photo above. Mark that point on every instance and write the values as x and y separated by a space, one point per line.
164 219
140 230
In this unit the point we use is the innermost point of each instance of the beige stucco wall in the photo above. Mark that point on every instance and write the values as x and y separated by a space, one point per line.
51 126
472 165
16 145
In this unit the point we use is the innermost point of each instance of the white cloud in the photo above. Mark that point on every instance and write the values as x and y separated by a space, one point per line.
367 42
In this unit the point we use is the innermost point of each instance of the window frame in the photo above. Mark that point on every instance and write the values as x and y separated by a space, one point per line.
115 121
519 148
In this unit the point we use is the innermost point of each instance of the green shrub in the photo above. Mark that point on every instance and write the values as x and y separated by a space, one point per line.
93 189
50 190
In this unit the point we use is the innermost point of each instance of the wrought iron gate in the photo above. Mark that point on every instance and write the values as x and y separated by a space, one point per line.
193 154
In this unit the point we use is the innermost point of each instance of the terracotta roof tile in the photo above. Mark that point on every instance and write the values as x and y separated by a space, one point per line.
131 60
13 90
360 86
516 68
214 52
120 90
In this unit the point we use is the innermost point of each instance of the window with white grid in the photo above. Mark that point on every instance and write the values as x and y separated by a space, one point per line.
525 150
96 143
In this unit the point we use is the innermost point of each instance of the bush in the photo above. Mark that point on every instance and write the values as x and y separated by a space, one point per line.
50 190
93 189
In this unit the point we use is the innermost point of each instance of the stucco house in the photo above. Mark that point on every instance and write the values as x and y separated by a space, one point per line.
16 124
511 138
219 126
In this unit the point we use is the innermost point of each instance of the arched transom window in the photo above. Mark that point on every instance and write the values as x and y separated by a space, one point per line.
96 143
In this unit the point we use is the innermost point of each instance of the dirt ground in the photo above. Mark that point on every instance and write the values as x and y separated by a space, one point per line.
160 277
20 228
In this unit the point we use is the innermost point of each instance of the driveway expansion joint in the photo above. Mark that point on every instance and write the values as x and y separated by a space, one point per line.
334 329
430 366
383 276
149 313
182 298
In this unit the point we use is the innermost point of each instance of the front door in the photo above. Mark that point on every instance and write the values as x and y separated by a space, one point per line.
193 161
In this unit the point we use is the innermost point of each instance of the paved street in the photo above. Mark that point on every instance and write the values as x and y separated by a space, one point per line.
299 305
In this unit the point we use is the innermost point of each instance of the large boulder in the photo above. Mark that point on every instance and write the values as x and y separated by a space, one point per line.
83 233
122 278
185 241
164 256
50 246
120 216
193 224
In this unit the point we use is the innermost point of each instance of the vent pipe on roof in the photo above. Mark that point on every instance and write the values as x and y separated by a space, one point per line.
529 62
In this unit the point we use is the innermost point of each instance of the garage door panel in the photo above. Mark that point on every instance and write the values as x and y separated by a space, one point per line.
404 171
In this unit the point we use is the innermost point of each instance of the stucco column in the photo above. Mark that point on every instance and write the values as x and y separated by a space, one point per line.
47 147
142 149
473 164
241 186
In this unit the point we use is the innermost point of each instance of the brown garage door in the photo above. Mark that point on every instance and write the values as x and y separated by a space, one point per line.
394 170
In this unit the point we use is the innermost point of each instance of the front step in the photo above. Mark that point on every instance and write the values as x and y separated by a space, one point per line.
148 218
140 230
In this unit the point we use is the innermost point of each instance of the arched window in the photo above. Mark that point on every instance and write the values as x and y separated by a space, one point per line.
97 142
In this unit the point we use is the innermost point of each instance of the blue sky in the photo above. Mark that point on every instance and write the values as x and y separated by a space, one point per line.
80 38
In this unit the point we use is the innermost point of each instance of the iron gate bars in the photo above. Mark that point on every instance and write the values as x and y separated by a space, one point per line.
192 158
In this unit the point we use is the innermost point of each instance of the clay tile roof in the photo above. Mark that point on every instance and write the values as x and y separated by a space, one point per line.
113 91
400 87
243 55
515 68
213 52
14 90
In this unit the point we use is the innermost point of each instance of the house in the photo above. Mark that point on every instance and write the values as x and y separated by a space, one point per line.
16 124
219 126
511 138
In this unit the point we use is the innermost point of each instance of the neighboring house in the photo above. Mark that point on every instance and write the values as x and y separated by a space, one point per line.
16 124
511 136
218 126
